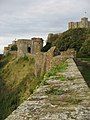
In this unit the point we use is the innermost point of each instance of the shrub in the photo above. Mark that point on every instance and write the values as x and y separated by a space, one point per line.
14 48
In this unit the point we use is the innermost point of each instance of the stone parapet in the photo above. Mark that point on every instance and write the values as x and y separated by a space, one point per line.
71 101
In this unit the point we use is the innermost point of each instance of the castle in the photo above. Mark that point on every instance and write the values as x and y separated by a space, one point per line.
34 45
84 23
25 46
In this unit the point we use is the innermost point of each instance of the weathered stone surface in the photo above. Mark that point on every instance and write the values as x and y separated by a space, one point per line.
25 46
72 103
84 23
45 61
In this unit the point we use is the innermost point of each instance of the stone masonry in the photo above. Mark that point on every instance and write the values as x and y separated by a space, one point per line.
25 46
84 23
71 103
45 61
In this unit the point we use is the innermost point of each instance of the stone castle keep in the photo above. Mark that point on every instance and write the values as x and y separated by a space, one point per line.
84 23
25 46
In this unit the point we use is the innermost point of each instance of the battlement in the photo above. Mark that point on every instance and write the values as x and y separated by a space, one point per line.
25 46
84 23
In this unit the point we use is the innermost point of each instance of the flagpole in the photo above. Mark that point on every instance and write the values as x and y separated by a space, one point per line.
85 13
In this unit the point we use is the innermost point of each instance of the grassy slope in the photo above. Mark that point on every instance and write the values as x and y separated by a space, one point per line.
17 82
73 38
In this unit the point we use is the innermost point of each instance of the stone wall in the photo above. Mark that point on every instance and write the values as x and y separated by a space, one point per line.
44 61
25 46
22 45
14 53
84 23
71 101
31 46
6 50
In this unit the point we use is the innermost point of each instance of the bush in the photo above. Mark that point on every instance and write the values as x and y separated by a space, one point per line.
14 48
85 49
73 38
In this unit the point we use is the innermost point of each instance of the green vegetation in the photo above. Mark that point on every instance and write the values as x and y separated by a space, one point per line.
55 91
85 59
17 77
17 82
52 73
85 70
84 67
74 38
85 49
14 48
59 68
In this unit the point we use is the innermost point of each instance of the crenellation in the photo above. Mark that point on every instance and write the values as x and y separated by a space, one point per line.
84 23
25 46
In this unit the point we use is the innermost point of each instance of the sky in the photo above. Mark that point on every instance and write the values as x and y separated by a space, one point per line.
38 18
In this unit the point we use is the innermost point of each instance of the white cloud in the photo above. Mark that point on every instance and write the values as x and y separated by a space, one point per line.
37 17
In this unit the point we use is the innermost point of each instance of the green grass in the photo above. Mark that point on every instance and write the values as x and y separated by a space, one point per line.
85 69
59 68
17 82
74 38
52 73
85 59
86 73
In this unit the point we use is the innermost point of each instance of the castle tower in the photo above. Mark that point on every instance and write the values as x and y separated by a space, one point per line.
70 25
24 47
84 23
29 46
37 44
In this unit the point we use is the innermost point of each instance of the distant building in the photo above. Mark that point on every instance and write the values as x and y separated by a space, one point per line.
84 23
25 46
29 46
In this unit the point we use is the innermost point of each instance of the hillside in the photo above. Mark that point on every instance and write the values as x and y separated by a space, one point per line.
17 75
17 82
79 39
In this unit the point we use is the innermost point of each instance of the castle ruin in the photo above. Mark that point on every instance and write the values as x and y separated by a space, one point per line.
25 46
84 23
34 45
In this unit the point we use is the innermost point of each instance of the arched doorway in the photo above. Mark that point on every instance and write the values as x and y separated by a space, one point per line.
29 49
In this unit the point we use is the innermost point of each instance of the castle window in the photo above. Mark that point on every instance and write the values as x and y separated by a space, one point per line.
29 50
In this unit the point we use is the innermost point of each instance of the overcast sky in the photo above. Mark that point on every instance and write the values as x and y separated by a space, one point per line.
29 18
